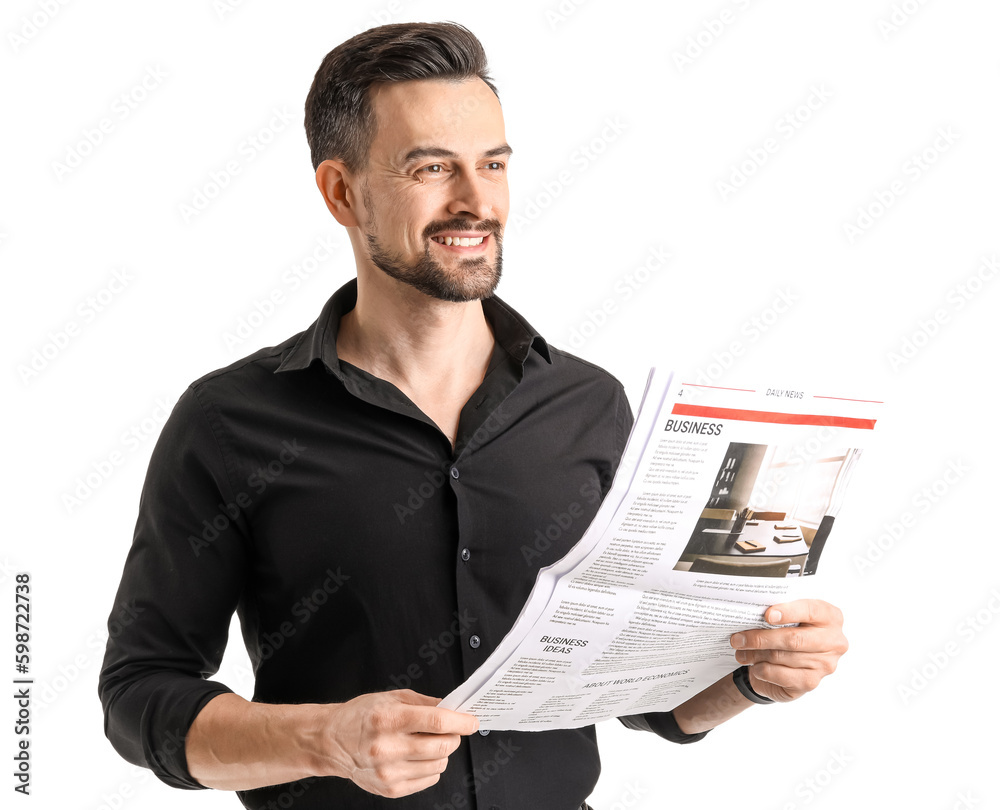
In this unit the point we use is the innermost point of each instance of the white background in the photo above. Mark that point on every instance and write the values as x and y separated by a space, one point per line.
764 284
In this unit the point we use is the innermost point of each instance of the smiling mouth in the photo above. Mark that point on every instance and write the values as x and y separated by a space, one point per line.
460 241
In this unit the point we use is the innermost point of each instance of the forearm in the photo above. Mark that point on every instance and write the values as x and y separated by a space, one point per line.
389 743
710 707
234 744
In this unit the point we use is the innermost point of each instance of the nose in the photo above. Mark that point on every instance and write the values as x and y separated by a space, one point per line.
471 197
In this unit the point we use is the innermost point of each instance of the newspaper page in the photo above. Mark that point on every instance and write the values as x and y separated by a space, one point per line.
722 506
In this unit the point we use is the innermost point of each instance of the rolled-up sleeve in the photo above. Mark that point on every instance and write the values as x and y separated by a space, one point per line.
662 724
182 581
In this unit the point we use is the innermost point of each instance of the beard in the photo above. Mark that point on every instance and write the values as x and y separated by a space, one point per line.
474 278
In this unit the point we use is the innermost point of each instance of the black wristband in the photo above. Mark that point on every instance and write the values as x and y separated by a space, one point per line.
741 677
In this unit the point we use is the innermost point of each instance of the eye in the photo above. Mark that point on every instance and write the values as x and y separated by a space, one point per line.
495 165
434 168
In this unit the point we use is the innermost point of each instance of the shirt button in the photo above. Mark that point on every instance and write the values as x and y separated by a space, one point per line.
466 554
474 642
484 731
454 472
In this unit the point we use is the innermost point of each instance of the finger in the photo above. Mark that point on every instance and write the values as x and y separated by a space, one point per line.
418 766
797 638
412 698
434 723
796 641
420 782
790 679
429 747
793 660
396 782
802 639
805 611
396 770
435 720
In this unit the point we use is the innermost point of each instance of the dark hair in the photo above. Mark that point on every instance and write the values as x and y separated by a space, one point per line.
340 121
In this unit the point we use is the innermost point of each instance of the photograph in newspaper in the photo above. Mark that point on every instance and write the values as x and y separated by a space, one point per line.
768 513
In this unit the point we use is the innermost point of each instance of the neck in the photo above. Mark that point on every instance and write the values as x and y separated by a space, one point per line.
436 352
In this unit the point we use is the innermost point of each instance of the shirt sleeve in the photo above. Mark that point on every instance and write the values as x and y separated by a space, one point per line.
182 581
662 724
623 424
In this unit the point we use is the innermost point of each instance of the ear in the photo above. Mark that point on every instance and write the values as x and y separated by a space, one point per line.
340 191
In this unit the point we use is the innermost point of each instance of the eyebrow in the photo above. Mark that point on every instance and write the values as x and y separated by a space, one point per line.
422 152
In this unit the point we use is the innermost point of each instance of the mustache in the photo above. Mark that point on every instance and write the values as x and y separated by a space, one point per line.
492 226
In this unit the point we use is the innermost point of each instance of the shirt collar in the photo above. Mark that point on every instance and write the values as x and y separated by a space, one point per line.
319 342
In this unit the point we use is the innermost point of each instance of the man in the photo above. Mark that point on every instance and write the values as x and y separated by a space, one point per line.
360 494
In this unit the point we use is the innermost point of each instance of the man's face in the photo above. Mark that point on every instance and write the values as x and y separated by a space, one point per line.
437 173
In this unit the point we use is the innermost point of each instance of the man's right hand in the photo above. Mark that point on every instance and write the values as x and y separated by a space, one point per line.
393 743
388 743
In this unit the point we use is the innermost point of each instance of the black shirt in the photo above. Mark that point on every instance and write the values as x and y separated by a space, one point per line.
361 552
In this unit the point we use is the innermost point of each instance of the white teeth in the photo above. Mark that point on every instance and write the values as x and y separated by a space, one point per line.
464 241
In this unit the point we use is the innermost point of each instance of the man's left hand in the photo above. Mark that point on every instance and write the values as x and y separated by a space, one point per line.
787 662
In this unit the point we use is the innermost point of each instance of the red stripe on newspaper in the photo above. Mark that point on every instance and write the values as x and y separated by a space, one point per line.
683 409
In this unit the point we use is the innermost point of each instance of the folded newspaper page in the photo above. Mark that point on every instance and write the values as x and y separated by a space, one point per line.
722 506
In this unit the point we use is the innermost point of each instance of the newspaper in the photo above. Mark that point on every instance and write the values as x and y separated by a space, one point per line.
721 507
